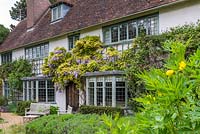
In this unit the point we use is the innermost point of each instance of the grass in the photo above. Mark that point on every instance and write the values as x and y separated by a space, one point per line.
16 129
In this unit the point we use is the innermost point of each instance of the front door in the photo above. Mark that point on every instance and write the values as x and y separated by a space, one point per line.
72 96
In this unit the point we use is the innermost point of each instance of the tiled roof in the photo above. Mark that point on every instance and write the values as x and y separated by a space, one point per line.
84 13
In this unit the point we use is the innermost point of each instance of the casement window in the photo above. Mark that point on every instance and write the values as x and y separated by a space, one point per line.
6 57
129 30
72 40
58 12
39 90
106 91
36 56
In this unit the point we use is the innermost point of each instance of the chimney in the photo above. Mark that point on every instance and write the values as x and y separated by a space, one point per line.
35 9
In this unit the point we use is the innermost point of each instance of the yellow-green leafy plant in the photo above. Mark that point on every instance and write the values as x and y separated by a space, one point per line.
172 105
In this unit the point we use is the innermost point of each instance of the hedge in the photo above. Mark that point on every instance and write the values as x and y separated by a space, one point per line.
66 124
21 107
100 110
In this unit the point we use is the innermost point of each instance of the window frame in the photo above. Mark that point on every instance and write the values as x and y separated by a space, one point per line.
60 11
127 23
6 57
72 38
36 57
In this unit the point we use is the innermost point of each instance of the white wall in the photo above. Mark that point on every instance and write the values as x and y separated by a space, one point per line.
92 32
184 13
18 53
61 42
61 99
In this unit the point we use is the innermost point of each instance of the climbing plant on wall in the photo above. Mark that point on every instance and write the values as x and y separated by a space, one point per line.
86 56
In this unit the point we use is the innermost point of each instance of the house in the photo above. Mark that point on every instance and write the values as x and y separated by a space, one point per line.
116 22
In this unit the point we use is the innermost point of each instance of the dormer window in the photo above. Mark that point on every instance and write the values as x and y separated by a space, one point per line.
59 11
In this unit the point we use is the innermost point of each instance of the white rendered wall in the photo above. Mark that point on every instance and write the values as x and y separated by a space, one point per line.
184 13
92 32
62 42
18 53
61 99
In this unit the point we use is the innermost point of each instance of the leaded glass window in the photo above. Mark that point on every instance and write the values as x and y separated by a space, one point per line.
6 57
132 30
36 56
120 93
123 31
128 30
114 34
91 93
108 89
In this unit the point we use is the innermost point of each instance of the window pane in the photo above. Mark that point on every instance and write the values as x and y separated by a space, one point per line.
120 94
71 43
123 32
72 40
114 34
34 52
46 50
142 27
42 51
42 91
108 89
106 35
91 93
54 10
99 93
38 52
132 30
59 12
152 25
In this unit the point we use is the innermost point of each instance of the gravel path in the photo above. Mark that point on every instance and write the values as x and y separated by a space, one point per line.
10 120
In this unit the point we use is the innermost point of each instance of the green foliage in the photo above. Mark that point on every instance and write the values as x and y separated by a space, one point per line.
172 105
3 101
3 33
12 107
100 110
53 110
117 125
21 107
15 129
86 56
18 11
146 52
14 71
65 124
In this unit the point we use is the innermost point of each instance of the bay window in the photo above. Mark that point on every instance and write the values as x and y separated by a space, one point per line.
104 89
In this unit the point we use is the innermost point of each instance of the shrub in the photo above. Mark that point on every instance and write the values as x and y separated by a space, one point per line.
172 103
100 110
53 110
65 124
12 107
3 101
21 107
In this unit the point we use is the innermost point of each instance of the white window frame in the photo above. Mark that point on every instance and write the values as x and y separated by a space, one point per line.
104 79
108 29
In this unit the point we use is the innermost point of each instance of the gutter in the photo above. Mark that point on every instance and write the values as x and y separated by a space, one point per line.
64 34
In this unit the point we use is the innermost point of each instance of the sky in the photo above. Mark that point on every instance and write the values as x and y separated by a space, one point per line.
5 19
